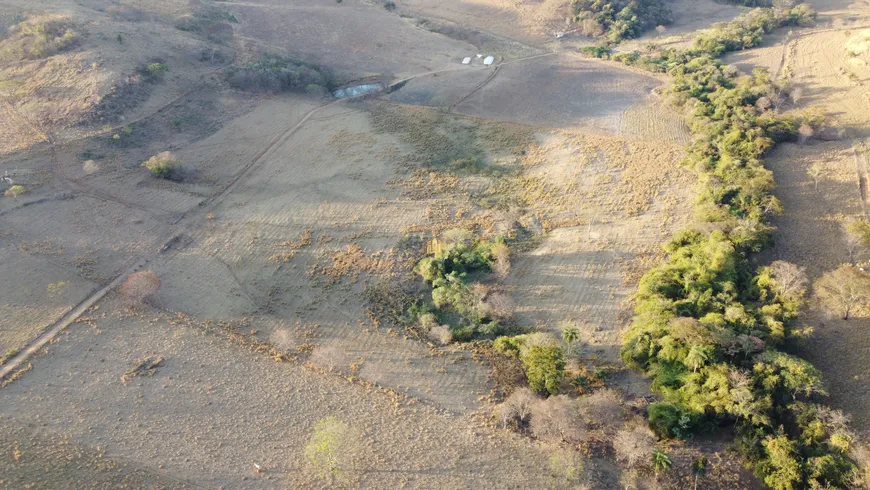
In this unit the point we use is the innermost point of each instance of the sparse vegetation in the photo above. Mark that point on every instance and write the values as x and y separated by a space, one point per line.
844 289
39 37
273 73
164 165
331 448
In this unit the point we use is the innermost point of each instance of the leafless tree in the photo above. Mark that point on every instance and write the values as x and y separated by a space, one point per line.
857 236
843 289
140 286
634 444
797 93
791 280
502 264
498 306
441 334
517 407
331 358
602 408
557 419
815 172
805 132
283 339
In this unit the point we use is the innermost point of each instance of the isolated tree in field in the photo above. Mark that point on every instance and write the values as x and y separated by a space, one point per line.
567 462
332 447
815 172
517 407
331 358
14 191
140 286
857 236
843 289
634 444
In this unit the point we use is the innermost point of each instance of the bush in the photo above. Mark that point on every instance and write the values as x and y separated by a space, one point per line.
517 408
557 419
153 72
668 420
14 191
620 19
165 166
634 444
140 286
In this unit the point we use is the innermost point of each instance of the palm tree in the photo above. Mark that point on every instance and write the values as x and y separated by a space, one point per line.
570 335
696 357
661 461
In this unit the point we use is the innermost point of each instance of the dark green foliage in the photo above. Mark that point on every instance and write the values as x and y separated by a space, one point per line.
706 328
274 73
153 71
620 19
454 300
545 368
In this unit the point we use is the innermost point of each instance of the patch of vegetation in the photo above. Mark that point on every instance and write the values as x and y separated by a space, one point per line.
164 165
39 38
544 362
617 20
153 71
212 22
274 73
460 298
712 333
14 191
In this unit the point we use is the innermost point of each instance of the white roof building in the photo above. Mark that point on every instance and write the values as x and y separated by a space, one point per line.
488 60
466 60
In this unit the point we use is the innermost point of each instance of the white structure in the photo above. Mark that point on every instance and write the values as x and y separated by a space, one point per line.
466 61
488 60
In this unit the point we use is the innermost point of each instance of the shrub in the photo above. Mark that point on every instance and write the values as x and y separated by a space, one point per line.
668 420
603 408
332 448
165 166
14 191
140 286
153 71
517 408
634 444
39 37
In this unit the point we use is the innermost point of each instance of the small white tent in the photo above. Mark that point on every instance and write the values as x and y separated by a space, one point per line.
488 60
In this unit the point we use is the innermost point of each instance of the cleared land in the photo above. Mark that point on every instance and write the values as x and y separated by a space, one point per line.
298 207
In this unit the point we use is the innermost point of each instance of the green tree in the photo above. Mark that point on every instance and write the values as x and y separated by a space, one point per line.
14 191
545 367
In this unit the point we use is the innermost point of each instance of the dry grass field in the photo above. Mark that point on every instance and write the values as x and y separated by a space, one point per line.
294 209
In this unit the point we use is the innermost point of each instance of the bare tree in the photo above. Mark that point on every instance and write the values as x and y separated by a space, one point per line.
791 280
517 407
843 289
283 339
502 264
498 306
805 132
557 419
634 444
815 172
602 408
857 233
331 358
441 334
140 286
797 94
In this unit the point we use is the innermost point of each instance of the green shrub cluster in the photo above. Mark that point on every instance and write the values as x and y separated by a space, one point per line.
165 166
708 330
450 272
274 73
620 19
39 38
544 363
